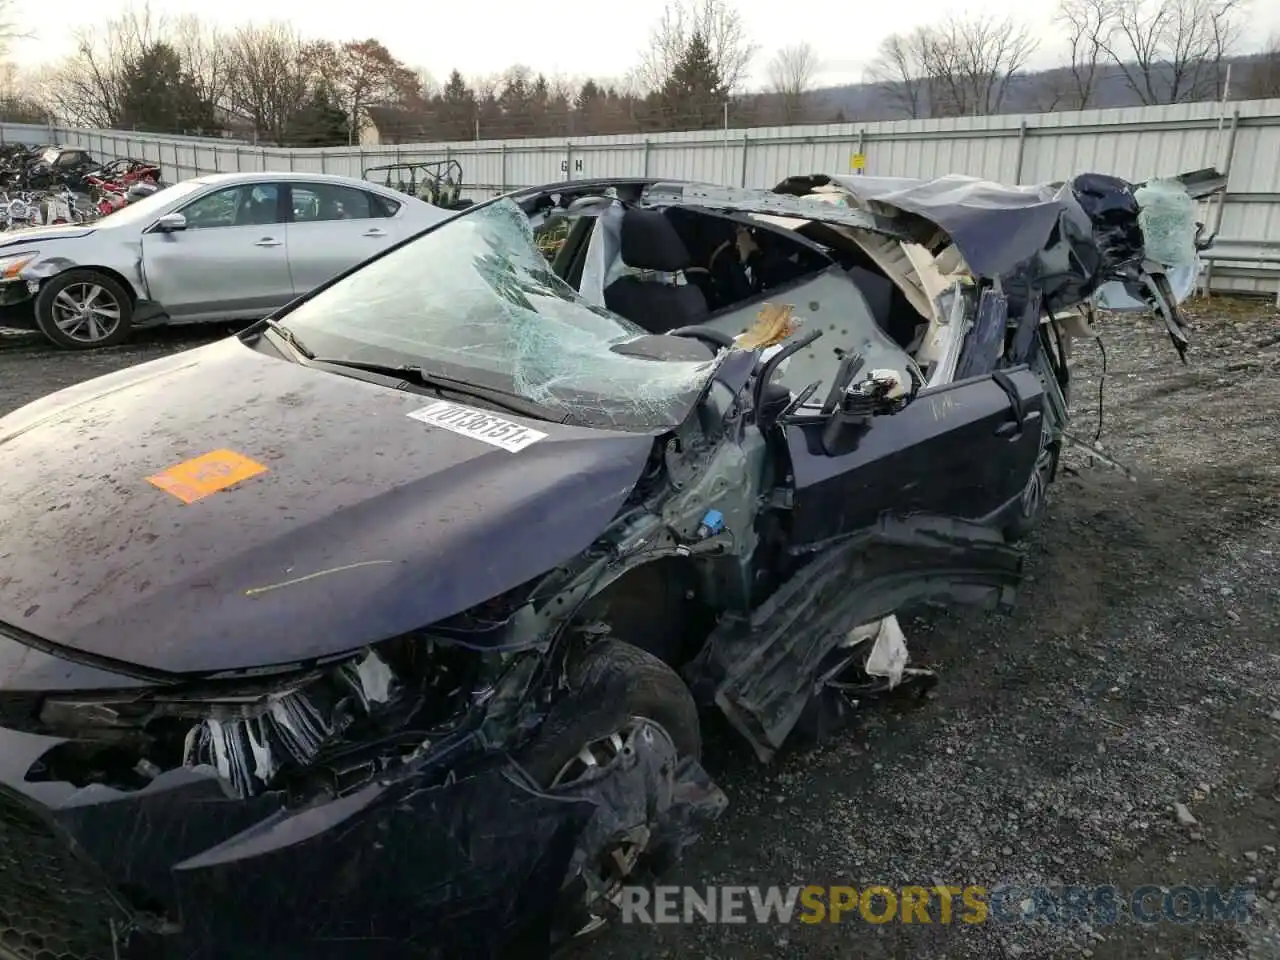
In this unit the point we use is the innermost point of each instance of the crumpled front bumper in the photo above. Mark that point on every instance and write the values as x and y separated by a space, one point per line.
457 855
399 868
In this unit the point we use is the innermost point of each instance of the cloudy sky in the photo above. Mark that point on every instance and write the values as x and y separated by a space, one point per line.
573 37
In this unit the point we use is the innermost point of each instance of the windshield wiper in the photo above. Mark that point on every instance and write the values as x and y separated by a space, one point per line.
289 337
512 402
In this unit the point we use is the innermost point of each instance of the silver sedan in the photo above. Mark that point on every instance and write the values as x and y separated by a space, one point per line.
232 246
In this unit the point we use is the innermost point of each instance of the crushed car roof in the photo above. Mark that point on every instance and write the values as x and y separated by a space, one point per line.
996 227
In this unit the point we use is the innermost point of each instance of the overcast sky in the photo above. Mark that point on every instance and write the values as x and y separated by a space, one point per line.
573 37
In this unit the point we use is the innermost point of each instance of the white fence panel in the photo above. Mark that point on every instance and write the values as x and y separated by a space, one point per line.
1136 143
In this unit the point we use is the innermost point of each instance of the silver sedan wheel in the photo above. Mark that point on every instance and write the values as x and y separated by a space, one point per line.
86 312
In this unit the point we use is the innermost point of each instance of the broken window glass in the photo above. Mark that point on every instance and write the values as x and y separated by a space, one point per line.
477 299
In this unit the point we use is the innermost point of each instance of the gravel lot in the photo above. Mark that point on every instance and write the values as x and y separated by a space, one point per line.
1140 669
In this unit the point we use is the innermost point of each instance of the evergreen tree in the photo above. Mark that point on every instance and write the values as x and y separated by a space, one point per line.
157 95
320 122
694 94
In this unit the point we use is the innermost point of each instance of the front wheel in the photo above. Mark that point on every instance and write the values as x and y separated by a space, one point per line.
84 310
614 688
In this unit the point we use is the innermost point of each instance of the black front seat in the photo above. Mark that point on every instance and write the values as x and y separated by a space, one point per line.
648 241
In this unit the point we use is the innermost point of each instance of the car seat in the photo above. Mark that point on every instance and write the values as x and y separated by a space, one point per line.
259 212
650 243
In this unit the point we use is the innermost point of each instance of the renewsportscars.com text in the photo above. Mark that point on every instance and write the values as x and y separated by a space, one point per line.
938 904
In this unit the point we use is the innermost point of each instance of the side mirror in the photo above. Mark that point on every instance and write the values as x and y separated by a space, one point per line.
171 223
853 404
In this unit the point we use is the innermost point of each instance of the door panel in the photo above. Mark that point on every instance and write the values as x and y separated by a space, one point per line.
231 261
955 450
332 228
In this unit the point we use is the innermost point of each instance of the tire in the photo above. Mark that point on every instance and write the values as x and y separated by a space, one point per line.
608 686
612 684
59 297
1031 505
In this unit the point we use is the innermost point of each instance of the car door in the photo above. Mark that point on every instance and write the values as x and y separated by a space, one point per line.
230 262
332 227
963 449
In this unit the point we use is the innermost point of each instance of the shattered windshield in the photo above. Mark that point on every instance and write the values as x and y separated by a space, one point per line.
476 300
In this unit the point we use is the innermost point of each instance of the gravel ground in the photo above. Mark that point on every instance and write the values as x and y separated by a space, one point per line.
1140 669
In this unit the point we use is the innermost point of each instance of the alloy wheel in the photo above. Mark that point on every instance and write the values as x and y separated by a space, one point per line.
86 312
610 868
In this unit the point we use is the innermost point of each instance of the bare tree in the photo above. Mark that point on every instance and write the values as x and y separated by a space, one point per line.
1172 51
973 62
271 69
1090 25
201 48
89 86
720 26
1262 79
900 71
791 74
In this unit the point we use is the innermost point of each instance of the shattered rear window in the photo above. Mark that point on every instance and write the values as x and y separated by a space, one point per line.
477 299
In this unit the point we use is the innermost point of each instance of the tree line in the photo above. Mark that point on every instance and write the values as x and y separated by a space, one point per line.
1158 51
271 84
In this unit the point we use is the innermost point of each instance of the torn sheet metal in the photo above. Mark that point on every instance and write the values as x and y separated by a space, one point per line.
760 671
995 227
985 342
768 202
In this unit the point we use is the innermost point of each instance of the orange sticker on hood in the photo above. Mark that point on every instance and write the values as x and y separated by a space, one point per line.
195 479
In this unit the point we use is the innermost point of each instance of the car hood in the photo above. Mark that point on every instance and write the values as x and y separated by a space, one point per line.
33 235
365 523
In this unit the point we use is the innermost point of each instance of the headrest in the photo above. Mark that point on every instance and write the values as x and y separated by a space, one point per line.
650 242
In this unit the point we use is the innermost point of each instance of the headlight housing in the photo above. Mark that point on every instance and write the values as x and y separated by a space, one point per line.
247 731
12 265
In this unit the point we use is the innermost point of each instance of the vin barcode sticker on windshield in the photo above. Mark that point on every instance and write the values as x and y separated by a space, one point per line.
478 425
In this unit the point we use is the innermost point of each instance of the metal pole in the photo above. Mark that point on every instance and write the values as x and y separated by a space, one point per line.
1227 159
725 163
1022 152
1214 202
746 146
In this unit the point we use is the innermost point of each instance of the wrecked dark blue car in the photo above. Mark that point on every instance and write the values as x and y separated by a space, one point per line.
380 630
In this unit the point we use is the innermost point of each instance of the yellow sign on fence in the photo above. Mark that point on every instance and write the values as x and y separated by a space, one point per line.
858 162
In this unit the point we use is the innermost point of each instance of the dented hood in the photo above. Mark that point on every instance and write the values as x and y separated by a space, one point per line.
351 520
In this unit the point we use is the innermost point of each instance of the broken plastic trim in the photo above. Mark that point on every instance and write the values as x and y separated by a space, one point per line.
759 670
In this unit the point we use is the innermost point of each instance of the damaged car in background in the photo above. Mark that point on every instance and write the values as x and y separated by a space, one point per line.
381 628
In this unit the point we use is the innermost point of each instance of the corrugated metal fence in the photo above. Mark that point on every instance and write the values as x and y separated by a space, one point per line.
1243 139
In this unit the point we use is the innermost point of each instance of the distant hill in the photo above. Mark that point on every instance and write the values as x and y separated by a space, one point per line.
1029 93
